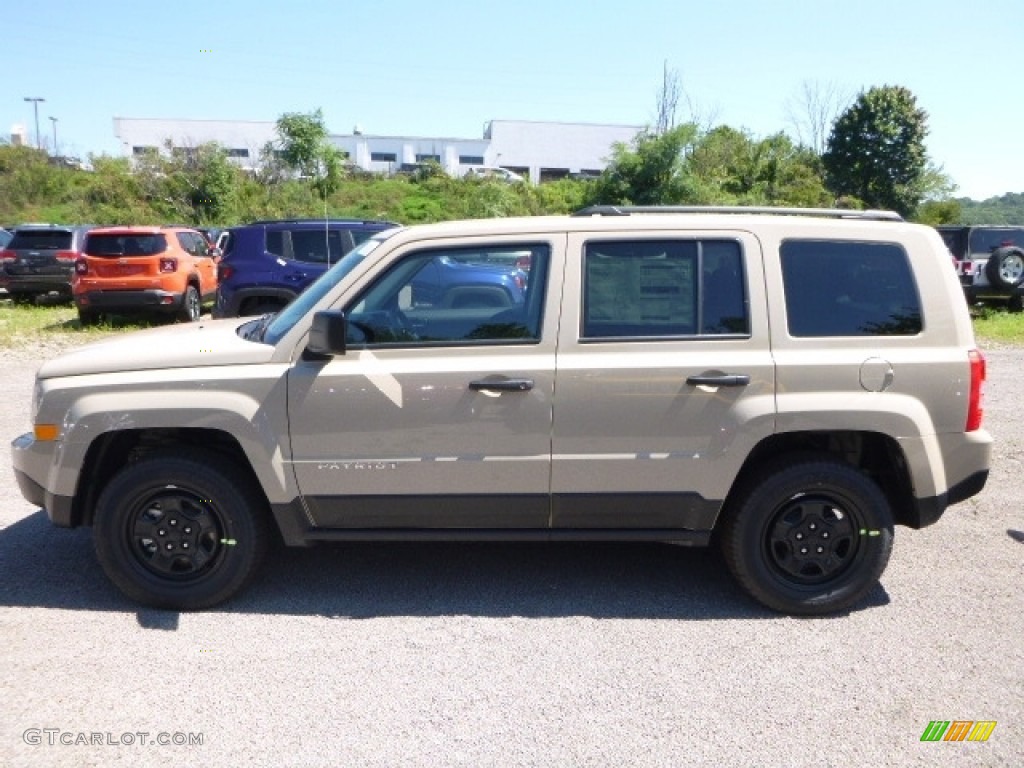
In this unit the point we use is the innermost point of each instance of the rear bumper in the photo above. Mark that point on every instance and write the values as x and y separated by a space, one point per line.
36 283
150 300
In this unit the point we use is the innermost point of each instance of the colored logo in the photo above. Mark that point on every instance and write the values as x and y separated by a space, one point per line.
958 730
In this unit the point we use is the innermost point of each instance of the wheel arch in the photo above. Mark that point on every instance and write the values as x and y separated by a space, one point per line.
879 456
113 450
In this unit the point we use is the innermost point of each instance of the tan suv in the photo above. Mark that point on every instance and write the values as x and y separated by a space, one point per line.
790 383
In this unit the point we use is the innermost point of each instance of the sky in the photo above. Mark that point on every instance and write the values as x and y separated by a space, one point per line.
414 68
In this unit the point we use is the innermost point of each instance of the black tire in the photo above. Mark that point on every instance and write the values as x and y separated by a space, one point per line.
180 533
191 306
87 317
808 536
1005 267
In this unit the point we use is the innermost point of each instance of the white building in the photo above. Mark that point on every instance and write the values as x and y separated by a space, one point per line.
542 151
243 139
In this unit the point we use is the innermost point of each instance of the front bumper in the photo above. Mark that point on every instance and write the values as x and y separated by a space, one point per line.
31 466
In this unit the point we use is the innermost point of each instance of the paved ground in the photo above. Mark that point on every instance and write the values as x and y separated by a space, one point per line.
512 654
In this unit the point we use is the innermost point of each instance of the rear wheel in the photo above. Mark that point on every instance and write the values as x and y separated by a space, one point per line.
180 533
87 317
191 306
810 536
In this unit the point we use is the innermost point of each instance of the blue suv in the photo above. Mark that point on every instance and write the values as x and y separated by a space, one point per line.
266 264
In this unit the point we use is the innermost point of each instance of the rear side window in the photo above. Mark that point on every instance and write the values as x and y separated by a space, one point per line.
41 240
125 245
849 289
318 246
663 288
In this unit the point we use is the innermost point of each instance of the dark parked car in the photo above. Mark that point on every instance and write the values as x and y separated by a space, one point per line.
266 264
40 259
990 261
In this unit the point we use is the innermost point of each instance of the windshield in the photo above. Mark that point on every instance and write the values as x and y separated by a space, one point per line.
287 317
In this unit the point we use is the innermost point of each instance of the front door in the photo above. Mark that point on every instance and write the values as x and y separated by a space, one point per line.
438 415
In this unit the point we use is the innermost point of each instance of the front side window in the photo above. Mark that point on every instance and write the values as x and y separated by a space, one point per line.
838 288
654 289
454 296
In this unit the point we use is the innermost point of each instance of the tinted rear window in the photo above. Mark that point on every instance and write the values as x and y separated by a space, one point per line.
849 289
41 240
125 245
983 241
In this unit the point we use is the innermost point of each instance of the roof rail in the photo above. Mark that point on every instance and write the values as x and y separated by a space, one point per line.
319 221
835 213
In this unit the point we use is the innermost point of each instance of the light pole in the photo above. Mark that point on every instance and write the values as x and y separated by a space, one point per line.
35 104
54 121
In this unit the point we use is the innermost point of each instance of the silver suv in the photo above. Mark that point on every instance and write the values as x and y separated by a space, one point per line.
789 383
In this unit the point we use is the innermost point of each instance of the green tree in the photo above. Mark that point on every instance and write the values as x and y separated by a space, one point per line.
876 150
305 149
651 170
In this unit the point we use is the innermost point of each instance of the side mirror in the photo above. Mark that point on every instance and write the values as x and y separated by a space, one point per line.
215 253
327 334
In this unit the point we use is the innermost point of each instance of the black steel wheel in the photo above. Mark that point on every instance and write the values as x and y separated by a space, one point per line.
181 533
810 536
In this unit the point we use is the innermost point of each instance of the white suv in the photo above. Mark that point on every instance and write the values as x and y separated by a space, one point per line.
791 383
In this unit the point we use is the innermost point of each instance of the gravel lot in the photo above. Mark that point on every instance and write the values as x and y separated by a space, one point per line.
513 654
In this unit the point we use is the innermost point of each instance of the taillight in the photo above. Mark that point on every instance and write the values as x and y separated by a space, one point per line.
224 272
168 265
974 409
81 267
67 255
7 257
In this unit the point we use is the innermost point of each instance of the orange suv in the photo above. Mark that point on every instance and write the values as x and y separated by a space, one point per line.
155 270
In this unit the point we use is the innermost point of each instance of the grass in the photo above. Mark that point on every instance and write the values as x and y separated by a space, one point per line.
52 324
998 327
56 325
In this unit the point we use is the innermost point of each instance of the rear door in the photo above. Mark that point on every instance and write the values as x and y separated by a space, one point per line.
665 379
309 251
48 251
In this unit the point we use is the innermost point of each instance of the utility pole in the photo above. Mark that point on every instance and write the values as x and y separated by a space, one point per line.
35 104
54 121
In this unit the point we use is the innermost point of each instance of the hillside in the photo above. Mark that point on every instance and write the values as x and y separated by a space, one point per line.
1007 209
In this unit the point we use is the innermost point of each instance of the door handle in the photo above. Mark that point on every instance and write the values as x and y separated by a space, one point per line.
718 380
502 385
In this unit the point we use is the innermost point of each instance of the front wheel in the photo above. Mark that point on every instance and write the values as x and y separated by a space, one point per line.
180 533
808 537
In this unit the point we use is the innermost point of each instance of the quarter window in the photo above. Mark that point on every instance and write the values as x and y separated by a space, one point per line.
653 289
849 289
